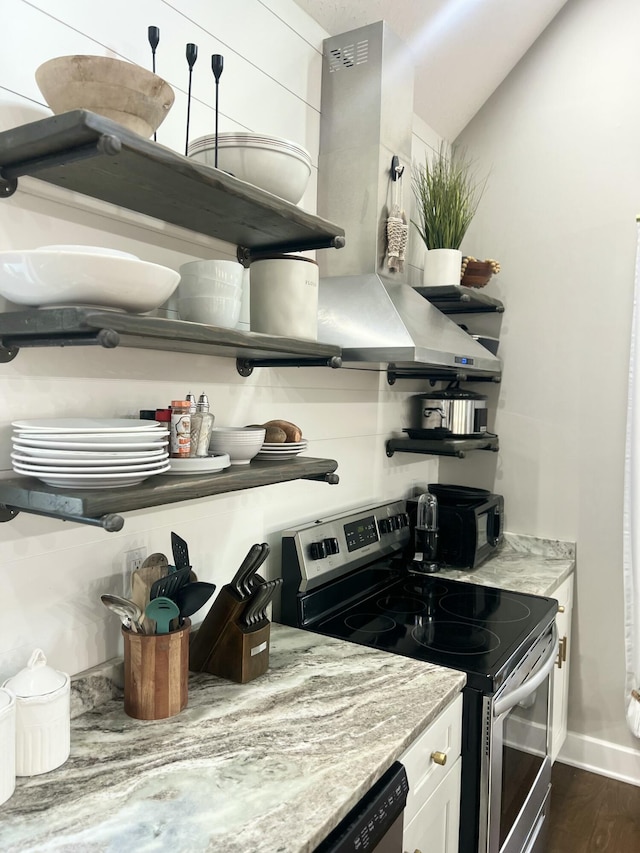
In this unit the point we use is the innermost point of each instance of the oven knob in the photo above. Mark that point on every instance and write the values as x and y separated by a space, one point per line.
385 525
317 550
404 519
331 545
395 522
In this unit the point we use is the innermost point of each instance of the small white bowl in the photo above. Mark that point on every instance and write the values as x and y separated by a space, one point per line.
47 278
217 311
229 272
198 285
241 444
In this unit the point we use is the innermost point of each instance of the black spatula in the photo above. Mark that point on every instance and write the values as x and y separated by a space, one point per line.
168 586
180 551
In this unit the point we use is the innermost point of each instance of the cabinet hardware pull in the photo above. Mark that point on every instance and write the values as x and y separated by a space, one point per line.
565 643
559 657
561 608
439 758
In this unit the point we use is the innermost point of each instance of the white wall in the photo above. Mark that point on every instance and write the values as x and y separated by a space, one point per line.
53 572
562 139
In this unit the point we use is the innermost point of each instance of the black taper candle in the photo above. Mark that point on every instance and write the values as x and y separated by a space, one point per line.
217 63
153 34
192 55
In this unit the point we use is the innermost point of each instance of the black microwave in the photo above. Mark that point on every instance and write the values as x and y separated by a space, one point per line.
468 532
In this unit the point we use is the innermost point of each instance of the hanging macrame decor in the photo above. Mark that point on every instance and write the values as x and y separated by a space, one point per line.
397 228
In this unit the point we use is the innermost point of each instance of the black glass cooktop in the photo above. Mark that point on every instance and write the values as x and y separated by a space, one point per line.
452 623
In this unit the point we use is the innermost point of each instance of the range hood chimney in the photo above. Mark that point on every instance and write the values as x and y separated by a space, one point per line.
366 120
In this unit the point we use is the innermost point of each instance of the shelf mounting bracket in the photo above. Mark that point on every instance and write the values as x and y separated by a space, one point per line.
245 366
109 522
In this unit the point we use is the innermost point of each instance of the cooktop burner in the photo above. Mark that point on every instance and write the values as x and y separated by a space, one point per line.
456 624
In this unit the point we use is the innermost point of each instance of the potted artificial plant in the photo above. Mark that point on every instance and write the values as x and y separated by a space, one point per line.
447 192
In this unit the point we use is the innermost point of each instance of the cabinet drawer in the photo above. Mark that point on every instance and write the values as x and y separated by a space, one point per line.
436 826
421 760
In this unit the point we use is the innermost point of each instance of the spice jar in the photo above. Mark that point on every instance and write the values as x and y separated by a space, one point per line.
201 426
180 436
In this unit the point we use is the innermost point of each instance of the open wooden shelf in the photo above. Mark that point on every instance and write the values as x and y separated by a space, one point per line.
456 299
89 154
87 326
101 507
458 447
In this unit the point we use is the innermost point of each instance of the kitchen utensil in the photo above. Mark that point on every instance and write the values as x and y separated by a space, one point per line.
154 567
245 567
121 91
426 535
180 551
192 596
217 64
162 610
192 55
166 587
255 611
248 579
127 610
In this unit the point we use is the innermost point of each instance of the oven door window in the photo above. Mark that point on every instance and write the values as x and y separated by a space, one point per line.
524 749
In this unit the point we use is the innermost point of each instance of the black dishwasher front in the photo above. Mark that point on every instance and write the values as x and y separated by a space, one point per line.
375 824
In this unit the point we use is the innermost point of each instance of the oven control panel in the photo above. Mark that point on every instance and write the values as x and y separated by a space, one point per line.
328 548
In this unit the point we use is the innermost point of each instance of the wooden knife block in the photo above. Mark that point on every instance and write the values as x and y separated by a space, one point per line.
224 647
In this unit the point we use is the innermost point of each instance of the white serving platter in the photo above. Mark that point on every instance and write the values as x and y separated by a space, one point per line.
88 445
85 425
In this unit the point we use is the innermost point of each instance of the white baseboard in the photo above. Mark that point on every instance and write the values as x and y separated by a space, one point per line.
602 757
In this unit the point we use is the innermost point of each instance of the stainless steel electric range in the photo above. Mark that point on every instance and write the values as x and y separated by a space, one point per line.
348 577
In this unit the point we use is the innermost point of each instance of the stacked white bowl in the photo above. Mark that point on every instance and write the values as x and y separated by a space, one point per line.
211 292
241 443
276 165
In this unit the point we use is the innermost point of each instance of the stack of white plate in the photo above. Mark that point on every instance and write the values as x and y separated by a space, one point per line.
89 453
277 452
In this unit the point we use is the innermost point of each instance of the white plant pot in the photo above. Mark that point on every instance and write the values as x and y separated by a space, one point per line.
442 267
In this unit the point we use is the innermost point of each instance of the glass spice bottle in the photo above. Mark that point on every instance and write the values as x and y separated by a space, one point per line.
180 436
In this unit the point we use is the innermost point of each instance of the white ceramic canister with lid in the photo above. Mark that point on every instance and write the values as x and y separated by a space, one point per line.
284 296
43 716
7 744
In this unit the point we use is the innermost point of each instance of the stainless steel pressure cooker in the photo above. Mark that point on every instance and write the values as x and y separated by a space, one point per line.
452 412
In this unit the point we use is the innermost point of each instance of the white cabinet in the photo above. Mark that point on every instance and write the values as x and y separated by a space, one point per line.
560 692
433 765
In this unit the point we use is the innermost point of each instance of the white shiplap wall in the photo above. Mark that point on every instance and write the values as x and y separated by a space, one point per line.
52 573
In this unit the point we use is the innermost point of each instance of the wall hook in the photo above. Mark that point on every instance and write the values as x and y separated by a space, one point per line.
397 171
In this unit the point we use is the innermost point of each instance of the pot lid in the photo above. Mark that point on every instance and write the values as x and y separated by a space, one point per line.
37 678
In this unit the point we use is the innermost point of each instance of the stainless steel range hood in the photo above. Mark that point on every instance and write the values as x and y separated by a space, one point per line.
383 321
366 120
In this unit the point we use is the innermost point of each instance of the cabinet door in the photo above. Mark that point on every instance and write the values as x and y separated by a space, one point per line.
434 828
564 595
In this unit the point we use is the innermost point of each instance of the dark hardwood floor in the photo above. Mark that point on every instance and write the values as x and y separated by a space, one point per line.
592 814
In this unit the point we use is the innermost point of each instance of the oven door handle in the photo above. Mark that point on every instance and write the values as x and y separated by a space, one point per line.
506 702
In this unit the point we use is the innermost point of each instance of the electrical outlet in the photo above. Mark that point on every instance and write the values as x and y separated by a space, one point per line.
132 560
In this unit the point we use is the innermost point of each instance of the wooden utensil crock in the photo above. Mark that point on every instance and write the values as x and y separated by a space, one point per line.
156 673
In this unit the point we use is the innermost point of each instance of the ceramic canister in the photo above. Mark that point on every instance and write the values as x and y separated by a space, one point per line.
43 716
7 744
284 296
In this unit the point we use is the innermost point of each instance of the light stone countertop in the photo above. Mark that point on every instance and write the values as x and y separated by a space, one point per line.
267 767
523 564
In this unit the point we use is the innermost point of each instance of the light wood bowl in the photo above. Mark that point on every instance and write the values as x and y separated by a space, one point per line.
477 274
134 97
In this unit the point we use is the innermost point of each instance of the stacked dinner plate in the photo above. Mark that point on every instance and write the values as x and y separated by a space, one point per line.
89 453
277 452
